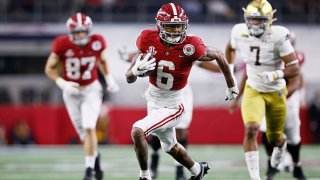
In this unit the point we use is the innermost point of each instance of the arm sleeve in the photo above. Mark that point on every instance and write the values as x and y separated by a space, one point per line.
233 41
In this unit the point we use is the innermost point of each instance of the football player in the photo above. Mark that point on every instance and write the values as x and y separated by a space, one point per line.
80 54
292 124
269 58
182 127
170 53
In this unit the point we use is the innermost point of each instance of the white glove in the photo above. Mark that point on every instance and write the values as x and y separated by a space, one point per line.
144 65
68 86
268 77
112 86
123 53
231 93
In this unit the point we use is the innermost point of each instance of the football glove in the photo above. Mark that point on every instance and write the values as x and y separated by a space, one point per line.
112 86
68 86
143 64
269 77
231 93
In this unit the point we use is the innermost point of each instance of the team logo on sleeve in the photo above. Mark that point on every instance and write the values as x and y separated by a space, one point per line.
69 53
188 49
152 50
96 45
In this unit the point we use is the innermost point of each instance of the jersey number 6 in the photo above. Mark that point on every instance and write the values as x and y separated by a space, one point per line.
164 79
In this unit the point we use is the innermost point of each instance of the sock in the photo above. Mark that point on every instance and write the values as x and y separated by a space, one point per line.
294 150
267 145
195 169
145 174
89 161
252 160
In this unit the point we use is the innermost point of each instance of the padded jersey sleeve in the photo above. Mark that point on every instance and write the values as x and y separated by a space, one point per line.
284 45
200 48
56 46
103 41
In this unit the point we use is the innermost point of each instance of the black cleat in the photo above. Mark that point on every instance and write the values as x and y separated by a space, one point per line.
140 178
271 172
297 173
98 173
88 174
154 165
204 170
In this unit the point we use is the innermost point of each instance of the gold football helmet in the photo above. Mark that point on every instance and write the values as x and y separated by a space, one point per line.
258 16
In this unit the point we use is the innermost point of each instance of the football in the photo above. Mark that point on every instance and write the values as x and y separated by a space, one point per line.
148 72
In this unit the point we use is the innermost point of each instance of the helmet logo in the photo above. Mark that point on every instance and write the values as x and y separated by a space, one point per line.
96 45
188 49
152 50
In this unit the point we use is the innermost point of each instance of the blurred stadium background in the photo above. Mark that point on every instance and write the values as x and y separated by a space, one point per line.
31 104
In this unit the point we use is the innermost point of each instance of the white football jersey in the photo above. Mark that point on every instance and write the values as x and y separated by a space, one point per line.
262 54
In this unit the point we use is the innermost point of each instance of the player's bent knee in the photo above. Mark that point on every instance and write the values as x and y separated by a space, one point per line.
173 150
252 130
137 133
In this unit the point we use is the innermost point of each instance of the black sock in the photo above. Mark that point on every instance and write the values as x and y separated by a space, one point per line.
294 150
267 145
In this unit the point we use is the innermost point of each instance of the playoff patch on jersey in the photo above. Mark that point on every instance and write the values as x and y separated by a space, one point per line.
96 45
188 49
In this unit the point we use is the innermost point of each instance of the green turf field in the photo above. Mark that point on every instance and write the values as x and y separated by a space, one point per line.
66 162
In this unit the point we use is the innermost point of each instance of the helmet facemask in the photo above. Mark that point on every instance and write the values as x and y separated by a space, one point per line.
173 32
257 25
83 40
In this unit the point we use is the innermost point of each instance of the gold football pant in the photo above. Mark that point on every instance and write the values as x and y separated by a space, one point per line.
256 105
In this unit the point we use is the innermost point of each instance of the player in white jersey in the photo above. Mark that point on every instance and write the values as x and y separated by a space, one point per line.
292 126
269 58
182 127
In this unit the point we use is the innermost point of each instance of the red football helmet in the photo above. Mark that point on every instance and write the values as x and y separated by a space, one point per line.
172 16
79 22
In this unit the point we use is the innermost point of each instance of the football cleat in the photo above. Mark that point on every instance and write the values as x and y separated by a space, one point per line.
204 170
88 174
97 168
278 155
297 173
271 172
140 178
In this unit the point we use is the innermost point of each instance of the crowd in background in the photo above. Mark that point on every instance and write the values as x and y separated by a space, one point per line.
293 11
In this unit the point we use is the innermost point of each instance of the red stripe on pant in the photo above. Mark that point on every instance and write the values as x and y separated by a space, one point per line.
166 120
